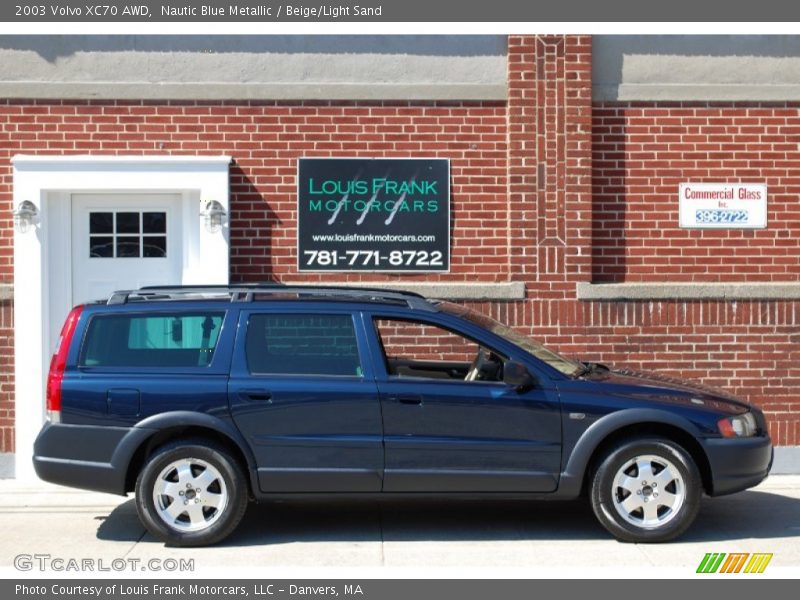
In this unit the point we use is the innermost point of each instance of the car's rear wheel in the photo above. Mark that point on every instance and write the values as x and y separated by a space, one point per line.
646 490
191 493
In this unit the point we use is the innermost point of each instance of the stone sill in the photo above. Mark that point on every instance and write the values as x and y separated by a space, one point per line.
285 91
696 92
6 291
442 290
688 291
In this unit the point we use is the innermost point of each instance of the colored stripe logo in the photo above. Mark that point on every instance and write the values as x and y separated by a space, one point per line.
736 562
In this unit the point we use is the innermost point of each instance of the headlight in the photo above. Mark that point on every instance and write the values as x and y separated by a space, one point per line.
738 426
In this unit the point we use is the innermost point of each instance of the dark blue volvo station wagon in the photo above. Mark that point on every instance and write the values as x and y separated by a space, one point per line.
199 399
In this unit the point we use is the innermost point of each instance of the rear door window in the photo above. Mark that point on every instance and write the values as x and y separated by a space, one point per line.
181 339
296 344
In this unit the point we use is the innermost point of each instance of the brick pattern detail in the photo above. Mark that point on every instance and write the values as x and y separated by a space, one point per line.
549 124
642 152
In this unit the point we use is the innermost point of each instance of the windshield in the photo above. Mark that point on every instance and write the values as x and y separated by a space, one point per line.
564 365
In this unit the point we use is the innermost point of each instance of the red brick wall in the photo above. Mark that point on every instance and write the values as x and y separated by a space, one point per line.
641 152
267 140
543 187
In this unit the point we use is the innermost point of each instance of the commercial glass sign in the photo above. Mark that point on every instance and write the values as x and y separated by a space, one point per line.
374 214
723 205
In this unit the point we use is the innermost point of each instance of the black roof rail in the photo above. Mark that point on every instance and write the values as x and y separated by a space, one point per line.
246 292
276 287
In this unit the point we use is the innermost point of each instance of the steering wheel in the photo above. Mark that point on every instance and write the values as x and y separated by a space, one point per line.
482 360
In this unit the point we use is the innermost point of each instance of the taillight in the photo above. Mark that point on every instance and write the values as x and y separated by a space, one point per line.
58 363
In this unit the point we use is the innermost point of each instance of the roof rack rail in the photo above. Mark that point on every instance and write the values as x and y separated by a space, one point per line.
246 292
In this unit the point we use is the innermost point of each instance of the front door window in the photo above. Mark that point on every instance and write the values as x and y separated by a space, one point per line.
127 234
424 350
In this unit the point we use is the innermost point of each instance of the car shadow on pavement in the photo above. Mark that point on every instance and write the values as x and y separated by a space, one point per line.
751 514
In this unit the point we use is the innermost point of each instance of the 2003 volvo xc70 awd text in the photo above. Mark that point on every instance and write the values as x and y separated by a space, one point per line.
200 399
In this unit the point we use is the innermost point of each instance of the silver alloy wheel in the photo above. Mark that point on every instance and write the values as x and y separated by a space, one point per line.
190 495
648 491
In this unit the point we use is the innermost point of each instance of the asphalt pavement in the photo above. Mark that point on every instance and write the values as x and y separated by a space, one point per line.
47 520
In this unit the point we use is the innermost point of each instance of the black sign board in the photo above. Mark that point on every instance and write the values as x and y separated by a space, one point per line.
376 214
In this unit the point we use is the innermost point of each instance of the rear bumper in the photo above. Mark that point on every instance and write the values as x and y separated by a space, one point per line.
86 456
738 463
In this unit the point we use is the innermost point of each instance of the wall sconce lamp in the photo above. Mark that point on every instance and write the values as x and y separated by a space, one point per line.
25 216
213 215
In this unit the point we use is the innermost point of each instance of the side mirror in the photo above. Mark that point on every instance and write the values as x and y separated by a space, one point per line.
517 375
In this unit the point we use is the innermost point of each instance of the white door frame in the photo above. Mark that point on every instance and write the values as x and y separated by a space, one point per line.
42 255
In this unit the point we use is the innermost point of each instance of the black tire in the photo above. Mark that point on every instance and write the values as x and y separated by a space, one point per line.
213 523
665 522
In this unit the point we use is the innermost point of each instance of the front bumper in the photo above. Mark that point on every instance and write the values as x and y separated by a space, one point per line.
86 456
738 463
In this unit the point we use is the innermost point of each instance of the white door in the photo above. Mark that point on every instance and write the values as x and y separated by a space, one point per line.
124 241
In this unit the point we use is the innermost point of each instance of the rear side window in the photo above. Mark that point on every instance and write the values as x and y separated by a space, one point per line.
302 345
159 340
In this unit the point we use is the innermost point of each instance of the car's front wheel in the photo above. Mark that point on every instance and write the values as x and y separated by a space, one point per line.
191 493
646 490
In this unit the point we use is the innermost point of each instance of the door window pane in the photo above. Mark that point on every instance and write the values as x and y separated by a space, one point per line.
155 246
101 222
101 246
128 222
127 247
302 345
154 222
